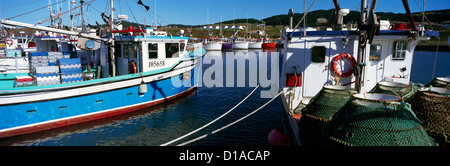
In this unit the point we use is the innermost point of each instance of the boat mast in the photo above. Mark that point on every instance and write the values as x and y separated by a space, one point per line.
337 25
368 28
50 10
112 51
71 4
83 27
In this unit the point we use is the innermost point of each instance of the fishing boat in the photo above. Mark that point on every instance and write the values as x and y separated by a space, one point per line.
240 44
212 44
227 44
254 44
194 44
330 61
148 67
26 42
268 45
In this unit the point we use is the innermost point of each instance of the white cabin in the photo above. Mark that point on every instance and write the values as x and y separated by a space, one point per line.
308 59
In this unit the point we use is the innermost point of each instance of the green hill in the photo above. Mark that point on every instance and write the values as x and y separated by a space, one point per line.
438 16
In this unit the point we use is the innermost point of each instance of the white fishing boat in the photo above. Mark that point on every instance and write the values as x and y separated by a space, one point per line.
240 44
254 44
350 58
212 44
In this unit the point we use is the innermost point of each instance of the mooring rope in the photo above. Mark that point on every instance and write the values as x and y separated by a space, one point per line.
188 134
220 129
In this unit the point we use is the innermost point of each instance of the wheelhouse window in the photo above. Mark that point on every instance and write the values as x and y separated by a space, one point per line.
125 51
152 50
399 50
129 50
318 54
182 47
133 51
375 52
172 50
117 50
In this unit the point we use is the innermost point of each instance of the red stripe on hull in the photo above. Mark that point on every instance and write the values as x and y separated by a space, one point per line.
83 118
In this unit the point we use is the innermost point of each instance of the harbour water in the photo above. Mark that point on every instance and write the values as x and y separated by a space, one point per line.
157 125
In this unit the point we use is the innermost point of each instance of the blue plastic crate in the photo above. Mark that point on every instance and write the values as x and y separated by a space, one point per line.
73 54
71 70
35 53
67 80
46 75
69 61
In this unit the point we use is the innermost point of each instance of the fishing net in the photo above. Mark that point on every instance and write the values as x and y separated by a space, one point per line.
398 89
376 120
320 110
432 107
443 82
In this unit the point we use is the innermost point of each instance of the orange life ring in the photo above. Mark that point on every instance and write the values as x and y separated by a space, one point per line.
339 57
132 68
9 41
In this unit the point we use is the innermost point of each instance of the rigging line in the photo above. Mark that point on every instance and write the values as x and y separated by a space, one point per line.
155 14
35 10
151 16
218 130
19 5
304 16
188 134
435 59
132 13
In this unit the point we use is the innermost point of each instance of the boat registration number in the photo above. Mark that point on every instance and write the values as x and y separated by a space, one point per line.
157 63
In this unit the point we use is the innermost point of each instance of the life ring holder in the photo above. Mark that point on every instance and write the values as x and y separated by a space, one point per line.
9 42
340 57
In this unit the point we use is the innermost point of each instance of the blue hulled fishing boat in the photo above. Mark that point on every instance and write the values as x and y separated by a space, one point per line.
140 68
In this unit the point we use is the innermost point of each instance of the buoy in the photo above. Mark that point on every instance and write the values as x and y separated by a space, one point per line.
142 87
277 138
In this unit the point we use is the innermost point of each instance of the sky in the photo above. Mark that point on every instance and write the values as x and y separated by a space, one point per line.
195 12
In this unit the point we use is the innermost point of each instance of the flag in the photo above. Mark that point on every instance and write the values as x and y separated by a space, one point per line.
140 3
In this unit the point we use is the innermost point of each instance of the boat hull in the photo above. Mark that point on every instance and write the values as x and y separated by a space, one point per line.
255 45
269 45
227 46
213 46
240 45
44 110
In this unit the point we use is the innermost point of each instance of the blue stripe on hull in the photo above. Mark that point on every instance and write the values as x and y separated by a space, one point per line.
30 113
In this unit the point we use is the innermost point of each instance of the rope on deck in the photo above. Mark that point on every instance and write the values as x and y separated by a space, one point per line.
220 129
188 134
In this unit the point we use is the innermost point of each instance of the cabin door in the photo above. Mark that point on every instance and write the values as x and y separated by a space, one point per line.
377 54
129 53
317 67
